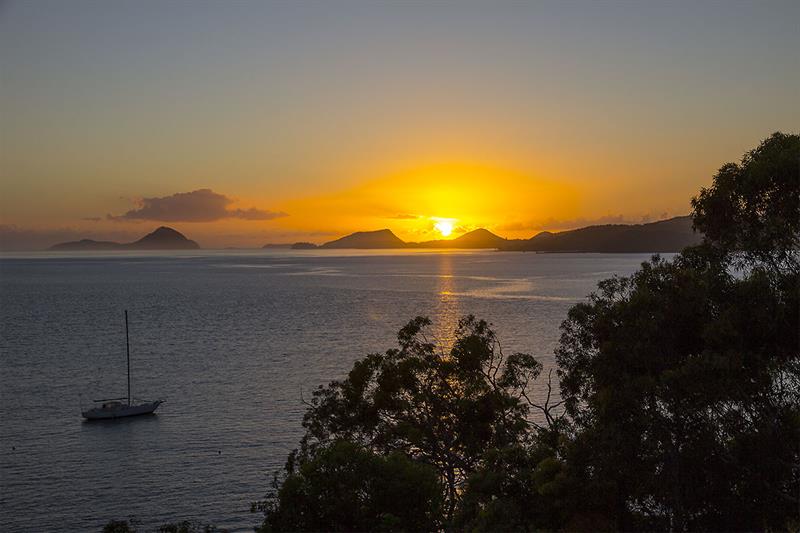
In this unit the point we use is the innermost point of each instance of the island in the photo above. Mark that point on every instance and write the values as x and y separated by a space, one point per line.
163 238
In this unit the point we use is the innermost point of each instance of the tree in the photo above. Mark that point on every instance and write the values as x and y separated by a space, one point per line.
682 381
442 409
753 208
518 488
345 487
667 375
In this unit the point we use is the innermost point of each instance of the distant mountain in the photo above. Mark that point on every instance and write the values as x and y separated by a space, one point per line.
291 246
476 239
382 238
87 244
671 235
163 238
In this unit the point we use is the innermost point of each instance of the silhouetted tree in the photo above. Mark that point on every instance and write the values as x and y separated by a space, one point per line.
345 487
440 408
753 208
517 488
682 384
683 381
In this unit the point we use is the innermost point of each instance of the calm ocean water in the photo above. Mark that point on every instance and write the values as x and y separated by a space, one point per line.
231 340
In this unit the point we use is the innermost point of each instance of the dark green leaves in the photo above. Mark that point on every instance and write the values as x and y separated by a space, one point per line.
753 208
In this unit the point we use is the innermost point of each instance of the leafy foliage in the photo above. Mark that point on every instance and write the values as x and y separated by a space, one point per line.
345 487
442 409
683 380
683 387
518 488
753 208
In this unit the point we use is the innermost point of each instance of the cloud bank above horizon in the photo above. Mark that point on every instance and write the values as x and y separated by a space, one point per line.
202 205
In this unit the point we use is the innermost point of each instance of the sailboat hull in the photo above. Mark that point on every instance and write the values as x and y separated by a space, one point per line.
121 411
114 408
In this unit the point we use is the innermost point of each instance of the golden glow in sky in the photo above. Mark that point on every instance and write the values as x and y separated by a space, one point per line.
435 201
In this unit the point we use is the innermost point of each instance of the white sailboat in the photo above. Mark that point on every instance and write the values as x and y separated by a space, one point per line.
121 407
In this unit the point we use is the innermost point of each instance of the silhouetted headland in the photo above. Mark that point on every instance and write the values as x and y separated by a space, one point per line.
476 239
671 235
163 238
382 238
666 236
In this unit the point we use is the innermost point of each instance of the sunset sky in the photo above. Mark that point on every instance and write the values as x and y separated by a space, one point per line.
243 123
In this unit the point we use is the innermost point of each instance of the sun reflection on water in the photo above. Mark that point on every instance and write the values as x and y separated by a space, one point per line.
447 310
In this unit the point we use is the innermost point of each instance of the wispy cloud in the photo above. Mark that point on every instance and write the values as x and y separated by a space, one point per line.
202 205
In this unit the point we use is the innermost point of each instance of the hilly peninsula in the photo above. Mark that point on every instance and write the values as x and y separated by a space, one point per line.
665 236
163 238
671 235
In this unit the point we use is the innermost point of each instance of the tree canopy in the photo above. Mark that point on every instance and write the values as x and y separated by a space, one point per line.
753 207
442 408
346 487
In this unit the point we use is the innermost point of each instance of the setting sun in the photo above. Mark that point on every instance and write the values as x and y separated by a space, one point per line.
444 226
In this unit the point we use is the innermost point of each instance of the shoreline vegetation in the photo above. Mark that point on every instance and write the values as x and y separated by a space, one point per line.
675 405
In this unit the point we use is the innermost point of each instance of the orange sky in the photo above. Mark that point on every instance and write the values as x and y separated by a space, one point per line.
306 122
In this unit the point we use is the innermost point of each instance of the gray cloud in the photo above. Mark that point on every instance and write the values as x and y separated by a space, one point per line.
404 216
202 205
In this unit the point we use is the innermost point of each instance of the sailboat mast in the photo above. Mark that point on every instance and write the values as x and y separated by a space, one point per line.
128 352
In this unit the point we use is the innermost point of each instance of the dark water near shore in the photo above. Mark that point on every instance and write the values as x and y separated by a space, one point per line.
230 340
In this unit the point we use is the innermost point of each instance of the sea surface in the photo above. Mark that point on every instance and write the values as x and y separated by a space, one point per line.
233 341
